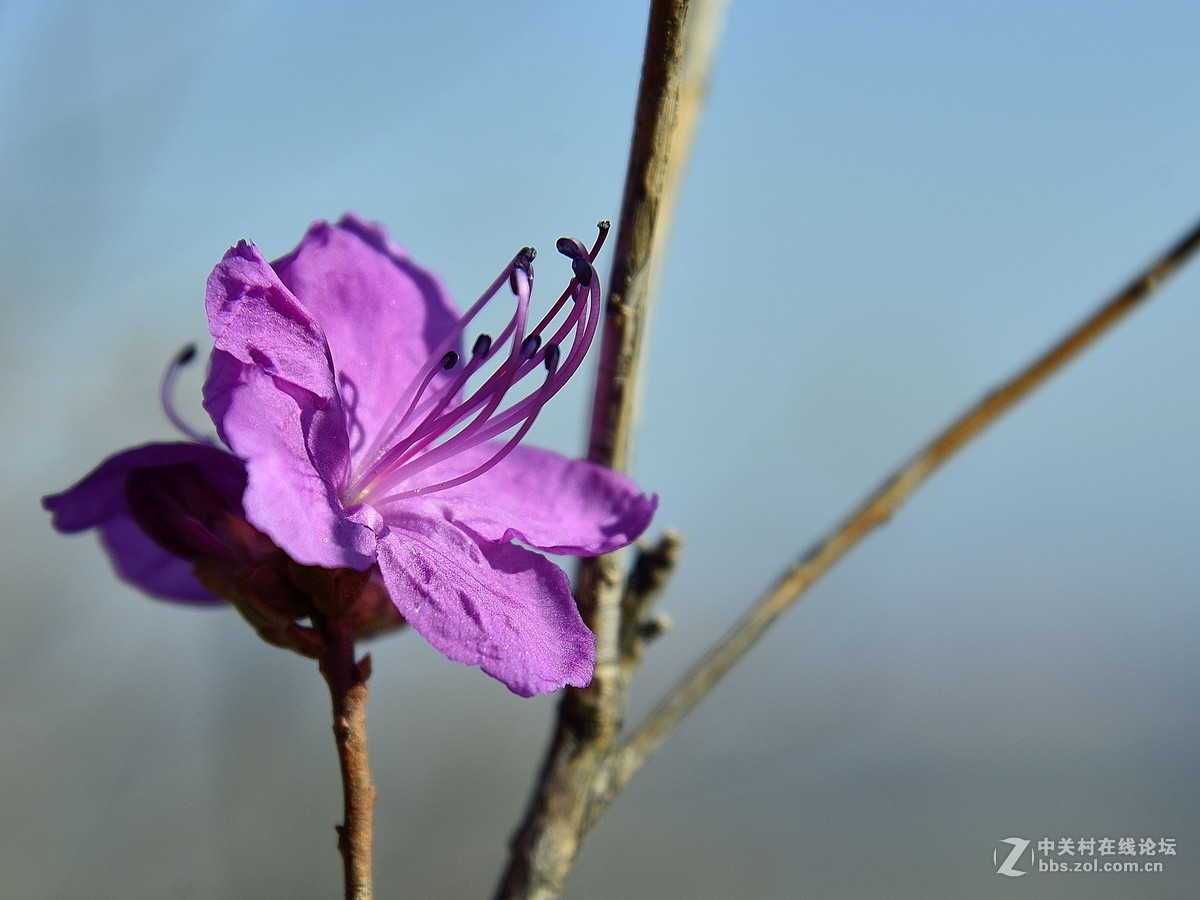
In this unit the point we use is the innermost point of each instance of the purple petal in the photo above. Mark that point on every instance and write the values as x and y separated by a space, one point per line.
501 607
271 391
382 314
547 501
258 323
295 453
99 501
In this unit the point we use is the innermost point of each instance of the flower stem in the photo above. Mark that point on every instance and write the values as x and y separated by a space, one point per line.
347 680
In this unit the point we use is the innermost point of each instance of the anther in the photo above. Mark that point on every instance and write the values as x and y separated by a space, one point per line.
530 346
483 346
568 247
582 268
449 360
551 357
185 355
523 262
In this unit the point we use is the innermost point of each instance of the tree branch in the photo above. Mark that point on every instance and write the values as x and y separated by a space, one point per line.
672 89
878 508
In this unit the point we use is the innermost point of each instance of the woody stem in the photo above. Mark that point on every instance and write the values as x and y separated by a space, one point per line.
347 680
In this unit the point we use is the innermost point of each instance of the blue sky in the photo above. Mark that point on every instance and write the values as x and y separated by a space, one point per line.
889 209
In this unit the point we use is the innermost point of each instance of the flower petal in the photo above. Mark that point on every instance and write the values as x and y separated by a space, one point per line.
99 501
295 453
545 500
259 323
382 314
272 393
501 607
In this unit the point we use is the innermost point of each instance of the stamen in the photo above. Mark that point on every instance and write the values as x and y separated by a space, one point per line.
390 428
448 361
524 262
167 387
582 267
585 330
526 408
509 445
437 425
581 259
584 316
569 247
495 387
403 460
424 431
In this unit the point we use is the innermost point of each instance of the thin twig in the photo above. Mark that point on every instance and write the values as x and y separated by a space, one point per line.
632 754
347 682
672 88
647 580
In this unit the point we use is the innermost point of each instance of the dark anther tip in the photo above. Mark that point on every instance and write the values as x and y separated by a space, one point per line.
483 346
449 360
185 355
582 267
568 247
551 357
530 346
604 224
524 262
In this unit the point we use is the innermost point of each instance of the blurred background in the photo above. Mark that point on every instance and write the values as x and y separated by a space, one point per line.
889 209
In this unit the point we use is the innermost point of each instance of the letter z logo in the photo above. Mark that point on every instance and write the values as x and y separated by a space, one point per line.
1006 867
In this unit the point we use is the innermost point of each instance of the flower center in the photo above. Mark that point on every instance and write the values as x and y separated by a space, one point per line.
429 441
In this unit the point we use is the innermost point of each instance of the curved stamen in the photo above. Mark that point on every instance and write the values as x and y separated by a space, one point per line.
504 377
425 430
489 394
166 390
572 249
484 429
572 322
551 362
448 361
585 330
433 424
390 427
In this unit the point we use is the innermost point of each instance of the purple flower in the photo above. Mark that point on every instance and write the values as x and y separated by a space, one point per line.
369 439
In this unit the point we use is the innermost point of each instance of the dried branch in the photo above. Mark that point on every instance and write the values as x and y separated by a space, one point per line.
633 753
673 85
